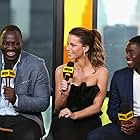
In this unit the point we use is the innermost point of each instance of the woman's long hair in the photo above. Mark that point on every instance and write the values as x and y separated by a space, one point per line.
93 39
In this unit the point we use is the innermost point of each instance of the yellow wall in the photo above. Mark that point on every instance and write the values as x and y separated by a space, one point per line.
76 13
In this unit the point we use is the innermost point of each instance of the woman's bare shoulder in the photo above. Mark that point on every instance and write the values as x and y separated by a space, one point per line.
102 70
59 69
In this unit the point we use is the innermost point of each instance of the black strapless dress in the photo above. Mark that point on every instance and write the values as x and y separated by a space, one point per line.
79 98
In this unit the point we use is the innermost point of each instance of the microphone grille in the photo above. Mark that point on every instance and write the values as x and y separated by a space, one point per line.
124 108
70 64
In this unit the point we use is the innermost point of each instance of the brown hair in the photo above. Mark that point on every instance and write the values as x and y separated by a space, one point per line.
93 39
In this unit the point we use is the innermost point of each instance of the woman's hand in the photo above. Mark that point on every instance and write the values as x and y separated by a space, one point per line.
67 114
65 86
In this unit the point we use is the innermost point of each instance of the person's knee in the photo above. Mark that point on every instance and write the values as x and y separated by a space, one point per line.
89 137
30 135
93 135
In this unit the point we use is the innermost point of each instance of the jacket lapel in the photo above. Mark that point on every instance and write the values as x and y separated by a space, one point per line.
129 87
18 78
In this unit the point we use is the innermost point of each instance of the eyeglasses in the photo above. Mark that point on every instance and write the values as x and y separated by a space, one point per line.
8 43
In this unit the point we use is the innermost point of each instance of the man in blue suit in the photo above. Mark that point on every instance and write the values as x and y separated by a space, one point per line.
23 98
125 88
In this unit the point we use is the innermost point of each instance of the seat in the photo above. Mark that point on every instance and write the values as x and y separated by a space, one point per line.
47 118
104 117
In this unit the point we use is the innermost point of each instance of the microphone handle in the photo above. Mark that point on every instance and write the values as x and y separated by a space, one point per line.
66 77
7 81
7 85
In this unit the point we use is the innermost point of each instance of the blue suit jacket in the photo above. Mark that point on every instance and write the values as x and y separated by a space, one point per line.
32 86
121 91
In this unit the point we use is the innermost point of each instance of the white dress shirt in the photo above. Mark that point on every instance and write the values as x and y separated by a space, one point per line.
6 108
136 94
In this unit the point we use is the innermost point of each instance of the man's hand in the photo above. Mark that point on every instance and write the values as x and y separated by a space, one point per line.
9 94
131 126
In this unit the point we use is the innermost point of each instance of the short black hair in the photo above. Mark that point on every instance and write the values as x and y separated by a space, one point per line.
135 39
11 28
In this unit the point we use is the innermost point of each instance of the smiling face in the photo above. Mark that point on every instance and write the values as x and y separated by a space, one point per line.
133 56
75 48
11 44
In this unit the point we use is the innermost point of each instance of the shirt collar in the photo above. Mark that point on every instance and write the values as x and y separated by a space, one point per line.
136 75
3 63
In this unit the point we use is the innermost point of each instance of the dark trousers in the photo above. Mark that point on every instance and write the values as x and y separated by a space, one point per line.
111 132
23 128
68 129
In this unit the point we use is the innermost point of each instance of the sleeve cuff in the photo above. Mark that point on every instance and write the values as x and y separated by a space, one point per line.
16 103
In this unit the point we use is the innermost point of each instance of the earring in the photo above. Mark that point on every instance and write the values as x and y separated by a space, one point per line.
84 53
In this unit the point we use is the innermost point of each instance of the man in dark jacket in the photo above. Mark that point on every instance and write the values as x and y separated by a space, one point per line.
124 90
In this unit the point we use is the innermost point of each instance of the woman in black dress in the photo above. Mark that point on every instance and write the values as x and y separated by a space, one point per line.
78 99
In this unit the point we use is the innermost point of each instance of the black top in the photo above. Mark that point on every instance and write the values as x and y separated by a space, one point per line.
81 96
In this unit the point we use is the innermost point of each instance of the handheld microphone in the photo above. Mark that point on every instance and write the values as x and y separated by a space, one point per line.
125 113
68 71
8 73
